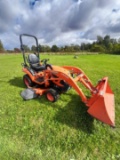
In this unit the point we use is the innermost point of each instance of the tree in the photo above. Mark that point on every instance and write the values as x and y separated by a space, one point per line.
107 41
47 48
98 48
1 46
66 48
61 49
86 46
54 48
33 48
17 50
99 40
44 48
73 48
116 48
26 48
83 46
113 41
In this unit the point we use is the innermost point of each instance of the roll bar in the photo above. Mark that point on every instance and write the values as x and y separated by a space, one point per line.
22 46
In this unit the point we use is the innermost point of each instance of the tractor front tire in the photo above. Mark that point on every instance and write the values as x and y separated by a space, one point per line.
52 95
27 81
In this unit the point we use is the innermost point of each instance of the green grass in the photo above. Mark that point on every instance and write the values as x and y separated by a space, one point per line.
40 130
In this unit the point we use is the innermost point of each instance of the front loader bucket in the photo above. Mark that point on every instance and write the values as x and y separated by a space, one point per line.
101 105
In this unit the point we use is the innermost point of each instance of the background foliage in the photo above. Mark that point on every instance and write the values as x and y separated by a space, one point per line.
102 45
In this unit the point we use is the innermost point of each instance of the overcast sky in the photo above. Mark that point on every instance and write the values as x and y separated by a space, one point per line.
58 21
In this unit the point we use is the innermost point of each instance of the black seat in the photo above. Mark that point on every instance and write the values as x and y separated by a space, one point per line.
34 62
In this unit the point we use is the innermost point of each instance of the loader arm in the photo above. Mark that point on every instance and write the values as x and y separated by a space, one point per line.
101 103
81 77
76 75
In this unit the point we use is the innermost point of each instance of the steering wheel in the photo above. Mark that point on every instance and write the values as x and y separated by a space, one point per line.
45 63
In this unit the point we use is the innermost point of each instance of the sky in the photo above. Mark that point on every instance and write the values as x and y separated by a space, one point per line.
60 22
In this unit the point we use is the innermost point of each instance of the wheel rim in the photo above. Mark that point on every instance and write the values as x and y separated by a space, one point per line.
50 97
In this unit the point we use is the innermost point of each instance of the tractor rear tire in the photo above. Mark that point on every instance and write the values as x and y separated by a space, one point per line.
27 81
52 95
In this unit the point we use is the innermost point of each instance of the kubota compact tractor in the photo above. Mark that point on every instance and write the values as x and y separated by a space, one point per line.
42 78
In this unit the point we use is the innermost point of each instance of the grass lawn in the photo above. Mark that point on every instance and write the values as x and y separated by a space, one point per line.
41 130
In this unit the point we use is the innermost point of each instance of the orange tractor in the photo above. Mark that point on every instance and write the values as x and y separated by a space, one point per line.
43 78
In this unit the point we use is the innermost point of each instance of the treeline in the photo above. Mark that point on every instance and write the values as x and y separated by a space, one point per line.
1 47
102 45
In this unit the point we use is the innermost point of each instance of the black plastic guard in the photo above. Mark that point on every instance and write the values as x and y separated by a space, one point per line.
28 94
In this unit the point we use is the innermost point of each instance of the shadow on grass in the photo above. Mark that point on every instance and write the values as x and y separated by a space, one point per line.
17 81
75 115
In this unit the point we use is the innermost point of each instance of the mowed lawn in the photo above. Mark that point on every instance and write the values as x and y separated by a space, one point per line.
41 130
